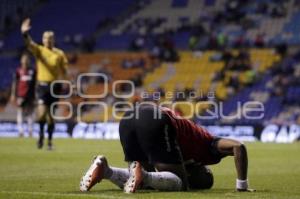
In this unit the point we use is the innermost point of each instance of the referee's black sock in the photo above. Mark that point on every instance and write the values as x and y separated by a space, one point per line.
41 135
50 133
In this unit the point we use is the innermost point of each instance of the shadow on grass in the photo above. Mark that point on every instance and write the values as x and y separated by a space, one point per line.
107 191
146 192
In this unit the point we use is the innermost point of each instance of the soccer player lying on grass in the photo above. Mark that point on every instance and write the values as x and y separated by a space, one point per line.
167 153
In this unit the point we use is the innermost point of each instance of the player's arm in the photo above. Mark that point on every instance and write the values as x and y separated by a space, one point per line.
239 151
30 44
13 89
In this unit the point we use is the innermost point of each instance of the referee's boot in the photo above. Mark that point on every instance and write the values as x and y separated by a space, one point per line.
50 146
40 143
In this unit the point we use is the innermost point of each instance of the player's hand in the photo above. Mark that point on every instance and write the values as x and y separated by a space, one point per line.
246 190
25 27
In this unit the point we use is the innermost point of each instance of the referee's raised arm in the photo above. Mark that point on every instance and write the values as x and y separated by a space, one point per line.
25 27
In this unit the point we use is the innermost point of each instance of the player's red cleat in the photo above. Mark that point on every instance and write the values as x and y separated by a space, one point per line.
94 174
136 177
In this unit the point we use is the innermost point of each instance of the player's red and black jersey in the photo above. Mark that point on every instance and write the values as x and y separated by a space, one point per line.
157 135
25 82
196 143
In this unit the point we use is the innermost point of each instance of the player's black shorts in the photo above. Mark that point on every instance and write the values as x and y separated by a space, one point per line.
149 139
26 102
44 93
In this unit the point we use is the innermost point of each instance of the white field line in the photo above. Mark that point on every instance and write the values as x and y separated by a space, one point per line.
65 194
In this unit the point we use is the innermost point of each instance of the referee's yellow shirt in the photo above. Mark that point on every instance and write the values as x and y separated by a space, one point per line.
51 64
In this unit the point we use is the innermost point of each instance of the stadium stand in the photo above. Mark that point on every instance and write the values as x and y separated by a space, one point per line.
70 31
112 65
8 66
249 21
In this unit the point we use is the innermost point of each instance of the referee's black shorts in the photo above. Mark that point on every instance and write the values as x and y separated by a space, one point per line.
147 138
44 93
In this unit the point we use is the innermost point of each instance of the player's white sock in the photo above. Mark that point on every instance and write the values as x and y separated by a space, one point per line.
163 181
118 176
30 124
242 184
20 121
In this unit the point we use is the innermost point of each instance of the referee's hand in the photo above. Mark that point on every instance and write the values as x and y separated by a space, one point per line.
25 27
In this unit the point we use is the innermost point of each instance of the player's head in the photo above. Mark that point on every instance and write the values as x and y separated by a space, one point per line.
200 177
25 60
48 39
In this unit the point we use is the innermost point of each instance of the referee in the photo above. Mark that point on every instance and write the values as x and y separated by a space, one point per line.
51 65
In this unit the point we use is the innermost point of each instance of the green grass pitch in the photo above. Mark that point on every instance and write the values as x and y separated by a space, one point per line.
25 172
